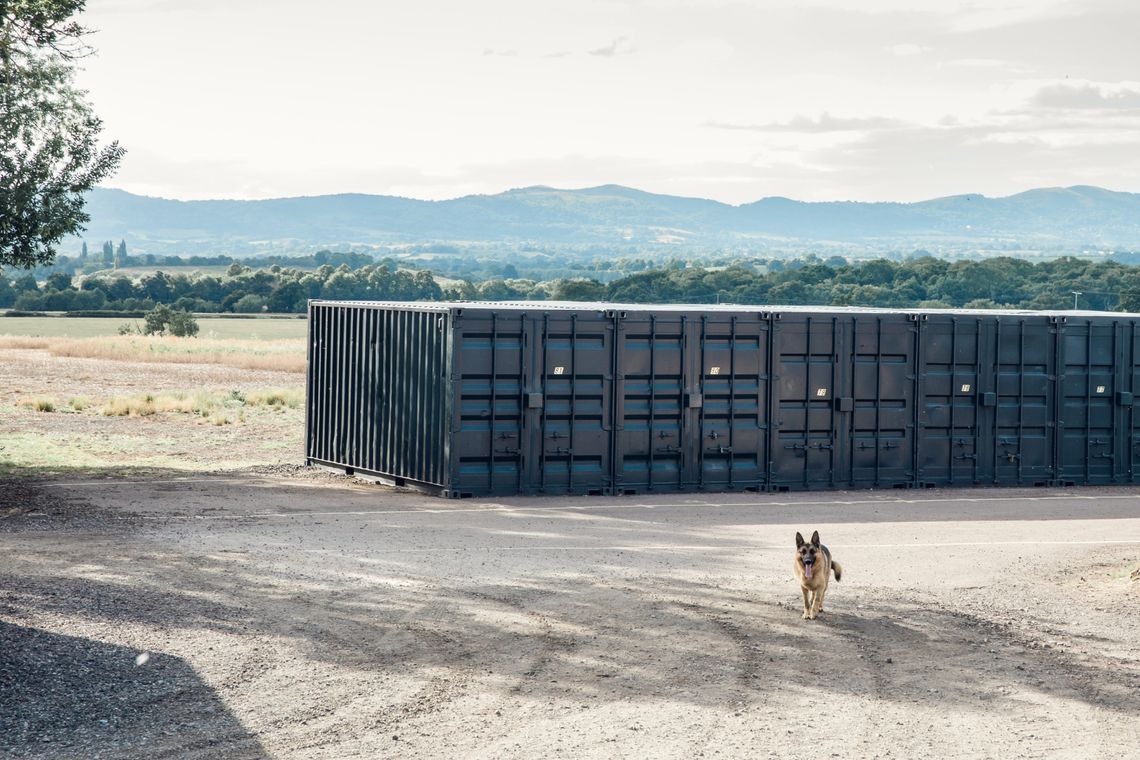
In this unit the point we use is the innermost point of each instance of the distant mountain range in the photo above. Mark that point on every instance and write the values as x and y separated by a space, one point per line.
1071 218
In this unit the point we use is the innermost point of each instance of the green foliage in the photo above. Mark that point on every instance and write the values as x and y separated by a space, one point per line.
58 281
156 320
997 282
579 290
182 324
49 136
162 319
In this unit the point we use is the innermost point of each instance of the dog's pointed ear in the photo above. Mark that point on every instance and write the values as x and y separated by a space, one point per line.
799 540
815 538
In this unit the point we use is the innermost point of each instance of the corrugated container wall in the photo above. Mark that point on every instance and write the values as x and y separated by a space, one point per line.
554 398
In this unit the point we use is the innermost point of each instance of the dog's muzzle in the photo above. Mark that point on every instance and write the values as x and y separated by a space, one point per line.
808 567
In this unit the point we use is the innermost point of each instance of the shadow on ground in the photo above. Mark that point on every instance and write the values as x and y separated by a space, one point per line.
646 638
63 696
361 640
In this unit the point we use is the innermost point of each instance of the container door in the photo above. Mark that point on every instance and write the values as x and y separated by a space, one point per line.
652 399
1128 399
881 445
950 363
1022 408
732 416
488 371
571 399
1088 420
807 415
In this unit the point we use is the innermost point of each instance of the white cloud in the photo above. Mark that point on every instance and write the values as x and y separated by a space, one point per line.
729 98
619 46
907 49
1084 95
978 63
823 123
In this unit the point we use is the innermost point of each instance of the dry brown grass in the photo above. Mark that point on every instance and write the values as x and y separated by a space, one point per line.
213 405
22 341
275 355
38 403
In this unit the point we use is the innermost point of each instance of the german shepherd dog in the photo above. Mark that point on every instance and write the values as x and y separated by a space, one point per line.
813 565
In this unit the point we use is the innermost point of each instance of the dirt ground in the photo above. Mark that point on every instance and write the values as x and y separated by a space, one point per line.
175 589
309 616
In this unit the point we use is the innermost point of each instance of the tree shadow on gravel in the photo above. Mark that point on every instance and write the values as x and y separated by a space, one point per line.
63 696
622 623
648 638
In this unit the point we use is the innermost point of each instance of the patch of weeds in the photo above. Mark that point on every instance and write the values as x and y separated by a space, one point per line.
279 398
39 404
209 405
137 406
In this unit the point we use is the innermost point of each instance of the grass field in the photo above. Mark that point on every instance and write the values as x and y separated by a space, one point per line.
222 328
277 355
129 402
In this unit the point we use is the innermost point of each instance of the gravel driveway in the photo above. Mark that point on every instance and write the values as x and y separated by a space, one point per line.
307 616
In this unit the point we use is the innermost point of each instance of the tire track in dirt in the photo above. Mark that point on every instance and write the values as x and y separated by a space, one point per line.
550 644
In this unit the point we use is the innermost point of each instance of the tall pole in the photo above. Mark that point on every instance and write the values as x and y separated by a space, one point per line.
1076 294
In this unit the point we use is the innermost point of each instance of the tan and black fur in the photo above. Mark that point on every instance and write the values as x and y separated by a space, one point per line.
814 565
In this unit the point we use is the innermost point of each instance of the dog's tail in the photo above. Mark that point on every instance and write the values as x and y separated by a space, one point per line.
837 569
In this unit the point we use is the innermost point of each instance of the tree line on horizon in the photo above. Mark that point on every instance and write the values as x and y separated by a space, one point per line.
922 282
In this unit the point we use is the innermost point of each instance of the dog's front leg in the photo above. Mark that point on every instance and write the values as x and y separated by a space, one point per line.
819 600
808 601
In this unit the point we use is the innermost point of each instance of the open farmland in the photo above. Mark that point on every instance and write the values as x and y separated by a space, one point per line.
125 403
224 328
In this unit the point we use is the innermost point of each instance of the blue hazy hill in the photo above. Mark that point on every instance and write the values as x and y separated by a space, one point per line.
1073 217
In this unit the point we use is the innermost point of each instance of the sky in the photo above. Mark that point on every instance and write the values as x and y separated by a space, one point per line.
810 99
